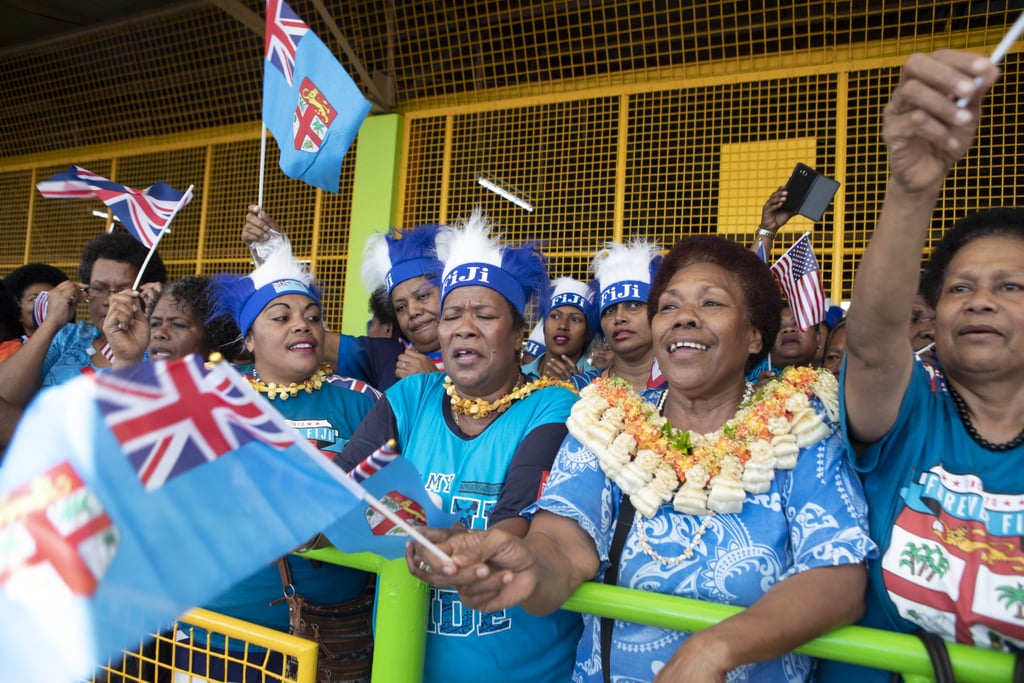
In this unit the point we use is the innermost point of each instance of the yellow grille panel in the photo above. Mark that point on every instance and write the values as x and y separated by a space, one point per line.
611 119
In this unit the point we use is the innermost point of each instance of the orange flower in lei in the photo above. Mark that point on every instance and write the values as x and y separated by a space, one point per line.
654 463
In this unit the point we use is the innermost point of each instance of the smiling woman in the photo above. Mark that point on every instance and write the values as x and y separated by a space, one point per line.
277 309
705 489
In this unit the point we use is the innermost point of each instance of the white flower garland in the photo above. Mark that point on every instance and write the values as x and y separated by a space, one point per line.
700 473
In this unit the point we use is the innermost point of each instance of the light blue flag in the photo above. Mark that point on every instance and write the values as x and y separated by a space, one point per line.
128 497
399 487
310 104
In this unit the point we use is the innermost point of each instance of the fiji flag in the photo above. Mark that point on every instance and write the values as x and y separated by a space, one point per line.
144 213
397 486
310 103
128 497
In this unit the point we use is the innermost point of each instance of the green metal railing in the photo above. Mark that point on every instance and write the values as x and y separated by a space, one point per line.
402 613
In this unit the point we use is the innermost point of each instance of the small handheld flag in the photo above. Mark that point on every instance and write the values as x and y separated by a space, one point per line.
146 214
800 279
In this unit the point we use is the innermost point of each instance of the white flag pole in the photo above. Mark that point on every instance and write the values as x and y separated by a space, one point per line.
263 165
185 198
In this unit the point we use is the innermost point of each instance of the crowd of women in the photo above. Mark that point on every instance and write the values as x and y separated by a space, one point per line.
864 475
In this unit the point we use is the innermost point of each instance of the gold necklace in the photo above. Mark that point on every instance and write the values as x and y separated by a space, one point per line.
274 390
482 408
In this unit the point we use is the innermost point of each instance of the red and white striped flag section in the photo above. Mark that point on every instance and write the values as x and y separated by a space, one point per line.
146 214
374 462
800 279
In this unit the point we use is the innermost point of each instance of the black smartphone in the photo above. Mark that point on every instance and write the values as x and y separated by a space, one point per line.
797 186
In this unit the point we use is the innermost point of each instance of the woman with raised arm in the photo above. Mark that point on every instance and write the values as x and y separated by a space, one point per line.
939 451
706 490
403 263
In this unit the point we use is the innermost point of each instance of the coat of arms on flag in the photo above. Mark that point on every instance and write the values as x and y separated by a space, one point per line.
313 116
55 536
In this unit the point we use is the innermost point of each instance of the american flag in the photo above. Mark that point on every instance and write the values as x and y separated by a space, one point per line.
144 213
284 31
171 417
800 280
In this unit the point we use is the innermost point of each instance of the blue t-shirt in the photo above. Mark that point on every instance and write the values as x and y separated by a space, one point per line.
812 516
69 352
469 474
948 516
327 417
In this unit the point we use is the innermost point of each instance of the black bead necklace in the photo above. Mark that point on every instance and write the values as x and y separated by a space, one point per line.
961 410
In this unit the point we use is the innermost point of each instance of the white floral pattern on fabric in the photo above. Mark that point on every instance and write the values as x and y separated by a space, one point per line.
811 516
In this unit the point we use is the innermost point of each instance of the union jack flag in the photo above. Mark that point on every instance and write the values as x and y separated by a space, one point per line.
144 213
284 31
800 280
171 417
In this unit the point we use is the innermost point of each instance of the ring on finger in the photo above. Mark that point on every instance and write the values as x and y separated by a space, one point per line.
424 567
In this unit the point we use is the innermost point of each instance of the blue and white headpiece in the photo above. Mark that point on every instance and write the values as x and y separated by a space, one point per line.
624 272
473 257
570 292
391 258
244 296
535 346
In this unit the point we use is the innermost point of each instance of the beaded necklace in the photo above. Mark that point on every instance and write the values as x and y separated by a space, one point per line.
274 390
482 408
965 418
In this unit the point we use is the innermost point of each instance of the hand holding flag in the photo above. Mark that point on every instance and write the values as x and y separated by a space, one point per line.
130 496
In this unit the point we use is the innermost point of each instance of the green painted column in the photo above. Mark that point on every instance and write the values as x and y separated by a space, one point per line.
374 201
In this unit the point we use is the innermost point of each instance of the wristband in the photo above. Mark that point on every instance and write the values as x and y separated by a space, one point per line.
761 232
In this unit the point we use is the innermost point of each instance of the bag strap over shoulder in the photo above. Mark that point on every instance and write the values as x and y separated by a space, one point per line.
623 523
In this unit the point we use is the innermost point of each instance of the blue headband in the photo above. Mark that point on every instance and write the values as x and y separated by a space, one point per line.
624 290
533 348
267 293
570 299
485 275
407 270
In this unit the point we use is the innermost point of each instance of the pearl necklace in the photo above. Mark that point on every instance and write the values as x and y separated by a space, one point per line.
482 409
645 545
965 418
274 390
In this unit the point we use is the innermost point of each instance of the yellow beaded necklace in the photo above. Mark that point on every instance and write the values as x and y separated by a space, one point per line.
482 409
274 390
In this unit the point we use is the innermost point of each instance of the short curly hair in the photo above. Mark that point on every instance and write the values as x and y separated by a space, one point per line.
122 247
998 222
220 333
23 277
761 295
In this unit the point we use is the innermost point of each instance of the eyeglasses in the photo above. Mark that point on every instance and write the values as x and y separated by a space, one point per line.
102 290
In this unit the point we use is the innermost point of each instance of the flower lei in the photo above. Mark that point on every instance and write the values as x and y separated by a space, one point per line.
481 408
652 462
274 390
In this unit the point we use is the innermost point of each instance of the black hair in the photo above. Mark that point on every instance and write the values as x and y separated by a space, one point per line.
1002 222
10 316
756 282
381 309
221 333
23 277
122 247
